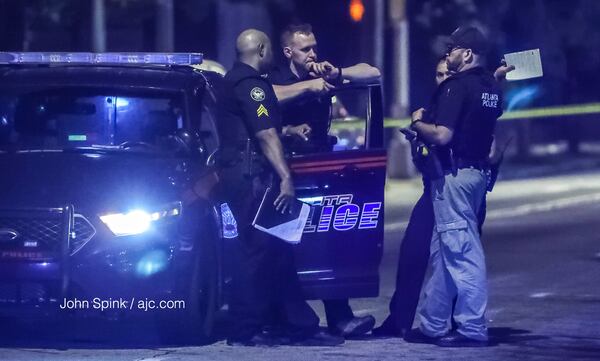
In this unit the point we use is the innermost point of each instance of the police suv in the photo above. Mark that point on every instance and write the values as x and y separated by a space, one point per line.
106 196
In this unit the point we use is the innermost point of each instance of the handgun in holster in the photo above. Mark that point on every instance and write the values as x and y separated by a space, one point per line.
494 168
430 163
425 156
254 164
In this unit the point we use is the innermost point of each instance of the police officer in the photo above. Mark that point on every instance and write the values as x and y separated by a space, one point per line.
303 87
414 253
468 105
265 273
414 248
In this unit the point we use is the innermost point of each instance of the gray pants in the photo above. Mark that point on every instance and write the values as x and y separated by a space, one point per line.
457 259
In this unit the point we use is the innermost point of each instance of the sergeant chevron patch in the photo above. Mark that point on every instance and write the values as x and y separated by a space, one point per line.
262 111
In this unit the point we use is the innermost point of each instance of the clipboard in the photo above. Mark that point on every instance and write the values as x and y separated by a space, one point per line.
285 226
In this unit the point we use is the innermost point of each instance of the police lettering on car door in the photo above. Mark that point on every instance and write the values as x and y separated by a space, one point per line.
338 213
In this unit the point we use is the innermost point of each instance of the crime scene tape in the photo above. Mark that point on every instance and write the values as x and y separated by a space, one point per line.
547 112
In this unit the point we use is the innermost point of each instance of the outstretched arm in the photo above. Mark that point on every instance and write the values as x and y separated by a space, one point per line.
290 92
361 72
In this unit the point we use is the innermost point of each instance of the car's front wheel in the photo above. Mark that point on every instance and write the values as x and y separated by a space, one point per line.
198 283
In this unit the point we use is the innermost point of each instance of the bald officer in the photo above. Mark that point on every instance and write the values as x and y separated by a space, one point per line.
252 159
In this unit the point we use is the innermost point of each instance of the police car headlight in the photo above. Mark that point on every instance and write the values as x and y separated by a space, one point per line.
138 221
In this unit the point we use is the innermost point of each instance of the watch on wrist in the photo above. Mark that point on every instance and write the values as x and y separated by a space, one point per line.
339 80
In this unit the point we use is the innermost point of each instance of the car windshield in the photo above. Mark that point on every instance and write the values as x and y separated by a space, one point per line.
75 118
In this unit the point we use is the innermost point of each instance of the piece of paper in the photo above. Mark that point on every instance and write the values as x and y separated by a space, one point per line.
528 64
287 226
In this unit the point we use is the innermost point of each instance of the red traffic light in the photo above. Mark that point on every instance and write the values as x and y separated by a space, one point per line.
357 10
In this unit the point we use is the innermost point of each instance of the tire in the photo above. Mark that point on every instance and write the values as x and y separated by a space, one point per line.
200 291
203 295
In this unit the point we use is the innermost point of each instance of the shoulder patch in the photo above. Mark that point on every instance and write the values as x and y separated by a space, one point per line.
257 94
262 111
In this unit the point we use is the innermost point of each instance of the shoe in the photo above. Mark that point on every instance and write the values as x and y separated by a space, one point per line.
384 331
320 338
356 326
259 339
417 336
456 339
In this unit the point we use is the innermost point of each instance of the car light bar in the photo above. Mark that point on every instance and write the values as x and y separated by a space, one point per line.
101 58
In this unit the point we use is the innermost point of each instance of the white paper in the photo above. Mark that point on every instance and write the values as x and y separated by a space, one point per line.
528 64
291 231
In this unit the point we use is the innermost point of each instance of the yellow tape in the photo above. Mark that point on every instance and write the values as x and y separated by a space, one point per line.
580 109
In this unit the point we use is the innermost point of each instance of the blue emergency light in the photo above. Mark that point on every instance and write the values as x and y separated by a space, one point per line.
101 58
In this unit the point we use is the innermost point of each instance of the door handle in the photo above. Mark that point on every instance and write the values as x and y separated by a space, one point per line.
347 171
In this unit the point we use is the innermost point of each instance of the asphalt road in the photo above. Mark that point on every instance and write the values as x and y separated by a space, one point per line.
542 243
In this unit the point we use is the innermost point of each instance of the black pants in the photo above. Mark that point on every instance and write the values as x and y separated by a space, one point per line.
266 287
412 266
337 311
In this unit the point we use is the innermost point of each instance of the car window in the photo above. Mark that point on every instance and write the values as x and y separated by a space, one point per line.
49 120
338 122
349 118
146 119
58 119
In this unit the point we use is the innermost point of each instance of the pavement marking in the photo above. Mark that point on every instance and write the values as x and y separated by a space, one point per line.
521 210
395 226
541 294
516 188
538 207
365 311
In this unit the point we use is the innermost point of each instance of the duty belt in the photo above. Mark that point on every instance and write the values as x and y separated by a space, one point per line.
472 163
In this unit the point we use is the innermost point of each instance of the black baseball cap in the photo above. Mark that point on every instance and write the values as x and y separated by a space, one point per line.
469 37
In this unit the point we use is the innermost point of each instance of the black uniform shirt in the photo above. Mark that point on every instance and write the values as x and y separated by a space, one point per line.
248 105
312 110
469 103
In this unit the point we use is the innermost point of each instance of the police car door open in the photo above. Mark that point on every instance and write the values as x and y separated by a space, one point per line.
343 238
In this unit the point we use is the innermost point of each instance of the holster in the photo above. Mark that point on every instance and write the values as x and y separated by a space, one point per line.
426 159
255 164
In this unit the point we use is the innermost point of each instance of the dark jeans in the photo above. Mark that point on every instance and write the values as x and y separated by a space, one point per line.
265 284
337 311
412 265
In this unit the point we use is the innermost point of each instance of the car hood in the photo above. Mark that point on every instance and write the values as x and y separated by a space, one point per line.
95 181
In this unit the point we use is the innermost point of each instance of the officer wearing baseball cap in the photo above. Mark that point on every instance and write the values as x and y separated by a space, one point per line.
460 125
468 38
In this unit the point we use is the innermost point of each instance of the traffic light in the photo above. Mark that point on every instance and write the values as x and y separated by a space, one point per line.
357 10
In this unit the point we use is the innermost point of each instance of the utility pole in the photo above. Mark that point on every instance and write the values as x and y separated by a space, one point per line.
379 34
98 26
399 21
165 25
231 23
400 163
